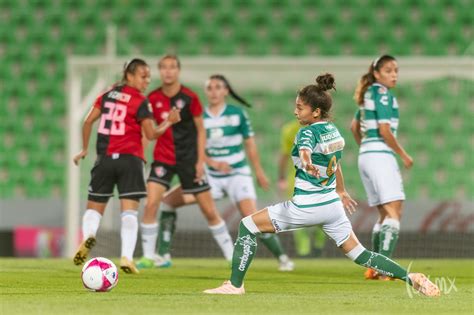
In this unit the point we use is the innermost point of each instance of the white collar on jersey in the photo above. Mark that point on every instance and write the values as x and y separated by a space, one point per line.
380 84
218 114
319 122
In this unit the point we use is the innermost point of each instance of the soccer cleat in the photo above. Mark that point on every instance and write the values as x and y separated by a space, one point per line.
286 265
386 278
145 263
421 283
83 251
371 274
162 261
226 288
128 266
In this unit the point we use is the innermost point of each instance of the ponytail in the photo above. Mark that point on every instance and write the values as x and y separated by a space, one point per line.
368 79
131 66
231 90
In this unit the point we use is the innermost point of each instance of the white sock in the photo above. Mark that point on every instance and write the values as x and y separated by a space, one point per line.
355 252
128 233
223 239
166 207
283 258
392 223
376 228
149 236
90 223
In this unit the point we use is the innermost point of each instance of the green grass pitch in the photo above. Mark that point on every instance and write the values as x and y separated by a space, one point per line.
336 286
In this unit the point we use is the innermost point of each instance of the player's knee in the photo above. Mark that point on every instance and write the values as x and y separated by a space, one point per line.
250 225
167 207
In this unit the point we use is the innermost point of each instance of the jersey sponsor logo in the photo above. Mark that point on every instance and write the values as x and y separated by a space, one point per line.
384 100
159 105
382 90
216 133
330 127
180 103
326 137
232 120
218 151
160 171
334 147
123 97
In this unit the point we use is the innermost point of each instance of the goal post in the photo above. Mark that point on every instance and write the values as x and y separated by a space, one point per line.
89 76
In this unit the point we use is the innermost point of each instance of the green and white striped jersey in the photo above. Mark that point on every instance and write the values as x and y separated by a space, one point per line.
225 136
326 145
380 106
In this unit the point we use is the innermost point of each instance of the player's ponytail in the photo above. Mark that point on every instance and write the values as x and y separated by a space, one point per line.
232 92
131 67
368 79
316 95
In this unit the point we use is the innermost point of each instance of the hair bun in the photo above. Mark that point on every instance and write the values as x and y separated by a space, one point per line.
326 82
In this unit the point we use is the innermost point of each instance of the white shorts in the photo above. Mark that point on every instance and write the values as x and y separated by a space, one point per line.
236 187
286 216
381 178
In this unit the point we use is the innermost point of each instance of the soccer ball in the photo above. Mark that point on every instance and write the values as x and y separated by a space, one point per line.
99 274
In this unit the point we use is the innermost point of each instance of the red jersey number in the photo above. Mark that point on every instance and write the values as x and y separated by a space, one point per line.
116 114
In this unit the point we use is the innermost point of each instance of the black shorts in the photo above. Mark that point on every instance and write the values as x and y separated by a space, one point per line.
163 174
124 170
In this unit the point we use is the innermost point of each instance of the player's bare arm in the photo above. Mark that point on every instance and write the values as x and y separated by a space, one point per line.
252 153
348 203
201 146
152 133
91 117
355 129
393 143
311 169
221 166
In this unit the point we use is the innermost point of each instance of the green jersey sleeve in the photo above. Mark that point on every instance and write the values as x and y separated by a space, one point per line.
383 104
245 125
305 139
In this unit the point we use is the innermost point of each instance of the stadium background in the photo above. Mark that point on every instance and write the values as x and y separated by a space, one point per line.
37 37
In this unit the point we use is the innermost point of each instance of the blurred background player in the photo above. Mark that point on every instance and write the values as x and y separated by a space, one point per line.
229 131
375 129
181 151
286 181
123 112
320 197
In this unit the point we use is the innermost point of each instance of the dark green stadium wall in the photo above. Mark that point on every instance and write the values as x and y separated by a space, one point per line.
37 35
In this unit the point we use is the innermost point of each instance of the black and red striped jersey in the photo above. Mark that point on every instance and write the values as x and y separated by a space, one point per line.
123 108
179 143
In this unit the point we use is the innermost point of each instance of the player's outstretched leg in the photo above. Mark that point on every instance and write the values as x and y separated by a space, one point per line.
272 242
90 225
244 250
388 267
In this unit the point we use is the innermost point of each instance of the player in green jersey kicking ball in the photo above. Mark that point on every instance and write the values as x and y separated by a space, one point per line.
229 142
319 197
375 129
